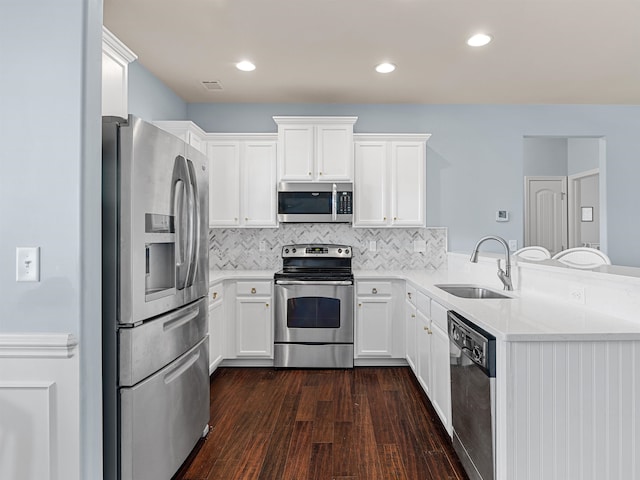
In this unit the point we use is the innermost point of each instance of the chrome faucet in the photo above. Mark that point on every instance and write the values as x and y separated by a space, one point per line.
503 275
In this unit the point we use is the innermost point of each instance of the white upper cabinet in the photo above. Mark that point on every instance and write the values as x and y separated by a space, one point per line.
242 180
187 131
116 58
315 148
390 180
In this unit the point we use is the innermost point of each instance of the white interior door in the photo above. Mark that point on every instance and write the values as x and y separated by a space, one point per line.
546 213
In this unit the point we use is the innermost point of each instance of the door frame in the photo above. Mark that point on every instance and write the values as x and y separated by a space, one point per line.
573 189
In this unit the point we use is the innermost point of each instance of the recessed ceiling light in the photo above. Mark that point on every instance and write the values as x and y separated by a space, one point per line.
479 40
385 68
245 66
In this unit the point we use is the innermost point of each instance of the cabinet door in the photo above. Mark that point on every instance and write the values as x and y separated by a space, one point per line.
216 319
373 327
408 194
224 184
410 331
259 176
440 375
296 152
370 186
423 336
196 142
254 336
334 152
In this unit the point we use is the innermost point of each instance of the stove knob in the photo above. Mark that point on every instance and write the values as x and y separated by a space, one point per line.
339 250
347 251
456 334
477 353
294 250
286 250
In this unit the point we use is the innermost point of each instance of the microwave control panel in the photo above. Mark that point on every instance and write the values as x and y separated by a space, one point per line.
345 203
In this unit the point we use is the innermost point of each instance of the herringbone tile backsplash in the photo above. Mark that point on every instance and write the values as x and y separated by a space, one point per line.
239 248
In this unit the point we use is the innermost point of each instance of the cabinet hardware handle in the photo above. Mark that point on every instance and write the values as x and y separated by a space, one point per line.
425 328
266 305
359 304
309 173
214 295
253 290
319 173
413 316
235 218
384 218
395 218
374 291
409 293
246 218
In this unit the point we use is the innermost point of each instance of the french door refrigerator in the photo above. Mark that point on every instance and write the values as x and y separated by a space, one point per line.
154 313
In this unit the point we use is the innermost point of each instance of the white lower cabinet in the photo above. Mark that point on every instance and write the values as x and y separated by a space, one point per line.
440 373
253 320
411 341
216 326
432 356
379 328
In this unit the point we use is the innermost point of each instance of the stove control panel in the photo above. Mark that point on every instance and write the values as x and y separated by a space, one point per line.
317 250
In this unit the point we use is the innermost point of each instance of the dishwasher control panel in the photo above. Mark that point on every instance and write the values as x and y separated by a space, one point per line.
476 343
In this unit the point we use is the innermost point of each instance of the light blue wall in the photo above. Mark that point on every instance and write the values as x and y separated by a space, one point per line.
150 99
50 131
544 156
583 154
475 157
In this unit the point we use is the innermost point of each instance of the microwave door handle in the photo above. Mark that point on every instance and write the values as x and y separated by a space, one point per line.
334 202
194 224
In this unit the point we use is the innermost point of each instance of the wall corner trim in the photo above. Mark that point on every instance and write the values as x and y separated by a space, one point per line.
38 345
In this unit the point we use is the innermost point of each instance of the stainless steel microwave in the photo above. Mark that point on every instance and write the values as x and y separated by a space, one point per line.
315 202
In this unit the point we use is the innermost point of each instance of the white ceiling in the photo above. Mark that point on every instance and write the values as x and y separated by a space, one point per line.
324 51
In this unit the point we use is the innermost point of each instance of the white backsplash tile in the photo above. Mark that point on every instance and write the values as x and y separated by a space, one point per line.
239 248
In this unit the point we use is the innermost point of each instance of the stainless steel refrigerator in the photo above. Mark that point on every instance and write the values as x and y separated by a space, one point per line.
154 315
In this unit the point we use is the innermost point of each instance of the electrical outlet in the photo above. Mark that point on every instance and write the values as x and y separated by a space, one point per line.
577 294
28 264
372 246
513 245
419 245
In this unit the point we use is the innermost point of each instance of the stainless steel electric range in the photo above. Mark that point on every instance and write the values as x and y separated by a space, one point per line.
314 301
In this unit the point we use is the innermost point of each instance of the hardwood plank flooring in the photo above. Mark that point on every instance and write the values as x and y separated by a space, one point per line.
359 424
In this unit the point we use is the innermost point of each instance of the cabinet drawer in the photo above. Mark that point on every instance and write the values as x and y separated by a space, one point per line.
439 315
424 304
215 293
411 294
253 288
373 288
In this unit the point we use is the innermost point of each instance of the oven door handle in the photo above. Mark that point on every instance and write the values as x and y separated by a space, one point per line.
314 282
334 202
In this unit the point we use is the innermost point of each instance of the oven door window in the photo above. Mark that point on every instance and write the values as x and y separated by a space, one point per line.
313 312
304 203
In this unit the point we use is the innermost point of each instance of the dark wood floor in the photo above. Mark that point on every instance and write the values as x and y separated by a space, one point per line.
360 424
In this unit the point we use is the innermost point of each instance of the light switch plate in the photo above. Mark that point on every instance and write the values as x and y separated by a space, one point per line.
28 264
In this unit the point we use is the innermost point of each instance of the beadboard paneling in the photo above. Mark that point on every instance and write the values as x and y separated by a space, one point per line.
572 415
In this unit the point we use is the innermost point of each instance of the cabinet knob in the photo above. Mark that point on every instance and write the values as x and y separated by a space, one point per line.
428 330
374 291
309 173
214 295
253 290
384 218
409 294
266 305
359 304
395 218
413 316
319 173
246 218
235 218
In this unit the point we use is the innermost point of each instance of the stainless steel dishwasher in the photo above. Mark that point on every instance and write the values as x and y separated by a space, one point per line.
473 374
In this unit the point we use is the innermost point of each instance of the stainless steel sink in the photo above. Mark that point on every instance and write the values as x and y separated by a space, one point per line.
470 291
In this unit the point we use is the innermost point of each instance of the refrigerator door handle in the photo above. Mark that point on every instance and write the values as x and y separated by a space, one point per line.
194 224
180 195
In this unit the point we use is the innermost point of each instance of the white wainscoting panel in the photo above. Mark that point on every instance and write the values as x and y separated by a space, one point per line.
572 411
39 407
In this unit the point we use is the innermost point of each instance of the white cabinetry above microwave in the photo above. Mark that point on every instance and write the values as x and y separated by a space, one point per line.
242 180
315 148
390 180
